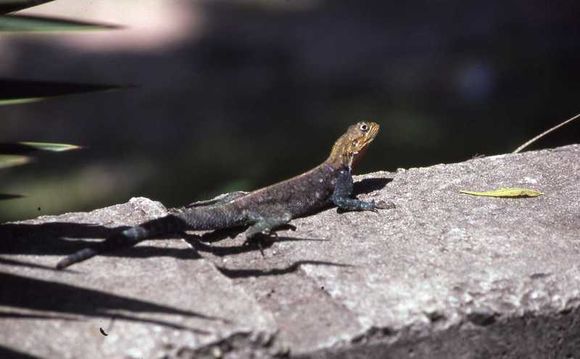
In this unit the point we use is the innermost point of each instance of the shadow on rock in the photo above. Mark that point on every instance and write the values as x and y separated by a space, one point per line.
200 243
244 273
56 239
19 263
6 352
369 185
49 238
26 293
19 315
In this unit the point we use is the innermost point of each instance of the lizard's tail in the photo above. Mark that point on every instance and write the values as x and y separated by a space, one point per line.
126 238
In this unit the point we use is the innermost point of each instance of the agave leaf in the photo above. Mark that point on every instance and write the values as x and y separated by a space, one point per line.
13 92
53 147
7 6
4 196
12 23
13 160
18 101
513 192
21 148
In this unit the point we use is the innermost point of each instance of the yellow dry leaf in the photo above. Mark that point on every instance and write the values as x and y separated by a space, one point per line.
513 192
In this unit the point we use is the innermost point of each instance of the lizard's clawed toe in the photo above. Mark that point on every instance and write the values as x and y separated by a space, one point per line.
384 205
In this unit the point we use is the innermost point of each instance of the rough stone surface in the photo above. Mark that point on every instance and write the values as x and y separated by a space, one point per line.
442 275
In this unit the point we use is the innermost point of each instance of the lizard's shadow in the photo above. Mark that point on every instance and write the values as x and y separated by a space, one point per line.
54 238
62 238
203 243
369 185
257 272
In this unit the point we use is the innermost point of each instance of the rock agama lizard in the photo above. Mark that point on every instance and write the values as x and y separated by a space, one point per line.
265 209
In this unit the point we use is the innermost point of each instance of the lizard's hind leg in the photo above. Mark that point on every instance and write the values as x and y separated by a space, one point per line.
265 225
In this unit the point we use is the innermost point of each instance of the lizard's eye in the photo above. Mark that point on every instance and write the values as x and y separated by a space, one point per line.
364 127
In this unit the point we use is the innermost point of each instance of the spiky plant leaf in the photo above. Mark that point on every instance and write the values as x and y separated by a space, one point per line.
13 92
13 160
7 6
12 23
18 101
53 147
4 196
21 148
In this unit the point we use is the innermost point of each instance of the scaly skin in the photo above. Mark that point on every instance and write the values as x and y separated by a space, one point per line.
264 209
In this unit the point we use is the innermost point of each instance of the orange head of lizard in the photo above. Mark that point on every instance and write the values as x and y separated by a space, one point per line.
350 147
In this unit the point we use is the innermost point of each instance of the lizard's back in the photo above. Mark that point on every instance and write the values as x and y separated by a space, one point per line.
296 196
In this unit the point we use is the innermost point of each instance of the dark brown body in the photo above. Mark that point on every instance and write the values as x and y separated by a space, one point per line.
294 197
298 196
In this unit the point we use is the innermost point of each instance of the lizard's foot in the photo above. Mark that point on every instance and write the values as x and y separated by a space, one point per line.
264 227
291 227
353 204
384 204
259 241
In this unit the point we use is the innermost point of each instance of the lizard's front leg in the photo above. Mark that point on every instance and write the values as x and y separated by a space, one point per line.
341 196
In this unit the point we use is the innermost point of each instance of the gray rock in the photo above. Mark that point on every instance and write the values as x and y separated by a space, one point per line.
442 275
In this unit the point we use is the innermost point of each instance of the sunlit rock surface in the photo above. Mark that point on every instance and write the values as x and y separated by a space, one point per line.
442 275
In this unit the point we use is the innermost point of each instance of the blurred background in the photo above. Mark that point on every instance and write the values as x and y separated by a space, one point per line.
233 95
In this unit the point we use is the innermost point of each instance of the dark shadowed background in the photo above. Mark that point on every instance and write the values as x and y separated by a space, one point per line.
234 95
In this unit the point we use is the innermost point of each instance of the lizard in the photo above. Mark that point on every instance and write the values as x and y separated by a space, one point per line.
265 209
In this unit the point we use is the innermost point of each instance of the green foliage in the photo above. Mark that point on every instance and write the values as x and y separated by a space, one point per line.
9 196
8 6
17 101
13 23
15 92
23 148
12 160
19 23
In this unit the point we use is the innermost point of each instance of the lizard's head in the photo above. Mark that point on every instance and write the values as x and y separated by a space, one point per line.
350 147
